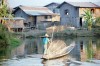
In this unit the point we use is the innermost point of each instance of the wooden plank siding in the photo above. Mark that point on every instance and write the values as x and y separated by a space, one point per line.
35 15
71 12
72 17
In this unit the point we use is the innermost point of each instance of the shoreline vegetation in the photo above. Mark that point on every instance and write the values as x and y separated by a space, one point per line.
14 39
66 32
7 38
78 33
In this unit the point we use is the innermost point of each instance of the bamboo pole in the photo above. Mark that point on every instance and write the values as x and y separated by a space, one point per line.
52 34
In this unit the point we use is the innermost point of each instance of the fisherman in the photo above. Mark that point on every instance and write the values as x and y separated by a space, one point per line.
45 42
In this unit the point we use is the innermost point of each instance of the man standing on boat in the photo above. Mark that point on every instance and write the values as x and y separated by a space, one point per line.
45 42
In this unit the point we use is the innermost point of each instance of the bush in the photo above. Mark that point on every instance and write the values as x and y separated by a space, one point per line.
97 23
15 42
6 38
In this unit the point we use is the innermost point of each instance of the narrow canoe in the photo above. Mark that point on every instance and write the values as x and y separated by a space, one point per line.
64 52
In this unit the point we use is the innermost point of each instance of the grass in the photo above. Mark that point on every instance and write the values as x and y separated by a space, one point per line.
74 33
15 42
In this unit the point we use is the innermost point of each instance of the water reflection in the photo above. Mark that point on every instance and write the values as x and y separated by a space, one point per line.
89 49
56 62
86 48
4 53
29 46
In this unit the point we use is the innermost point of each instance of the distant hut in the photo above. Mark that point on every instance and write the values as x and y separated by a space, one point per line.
14 24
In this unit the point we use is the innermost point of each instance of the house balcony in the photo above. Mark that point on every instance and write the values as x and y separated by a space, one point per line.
46 20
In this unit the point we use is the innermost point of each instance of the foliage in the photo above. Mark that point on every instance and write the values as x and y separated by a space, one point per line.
4 11
97 22
88 19
15 42
4 36
96 27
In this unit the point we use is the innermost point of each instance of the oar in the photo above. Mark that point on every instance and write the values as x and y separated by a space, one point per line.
52 34
51 39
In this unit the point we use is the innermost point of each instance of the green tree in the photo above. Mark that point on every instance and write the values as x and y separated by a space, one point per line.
5 36
97 21
5 12
88 19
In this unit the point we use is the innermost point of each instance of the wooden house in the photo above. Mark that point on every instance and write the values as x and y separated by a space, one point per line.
71 12
53 7
13 24
35 15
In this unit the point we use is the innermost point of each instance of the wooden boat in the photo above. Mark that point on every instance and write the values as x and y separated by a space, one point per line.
58 49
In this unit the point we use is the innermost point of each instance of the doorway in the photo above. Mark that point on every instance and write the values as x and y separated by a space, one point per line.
35 20
80 21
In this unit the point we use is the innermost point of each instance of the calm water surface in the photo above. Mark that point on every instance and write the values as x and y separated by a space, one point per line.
29 53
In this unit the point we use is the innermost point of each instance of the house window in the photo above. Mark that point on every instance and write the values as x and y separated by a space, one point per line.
50 17
66 12
46 17
92 10
26 24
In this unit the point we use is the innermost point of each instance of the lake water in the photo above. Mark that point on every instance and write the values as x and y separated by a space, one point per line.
29 53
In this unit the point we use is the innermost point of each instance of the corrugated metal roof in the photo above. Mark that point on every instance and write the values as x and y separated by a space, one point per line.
83 4
33 8
97 3
37 10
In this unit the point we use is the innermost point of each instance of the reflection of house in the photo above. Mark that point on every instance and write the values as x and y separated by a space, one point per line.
19 51
35 15
70 12
14 24
53 7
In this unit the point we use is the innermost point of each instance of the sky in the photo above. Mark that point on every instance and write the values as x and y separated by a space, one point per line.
14 3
